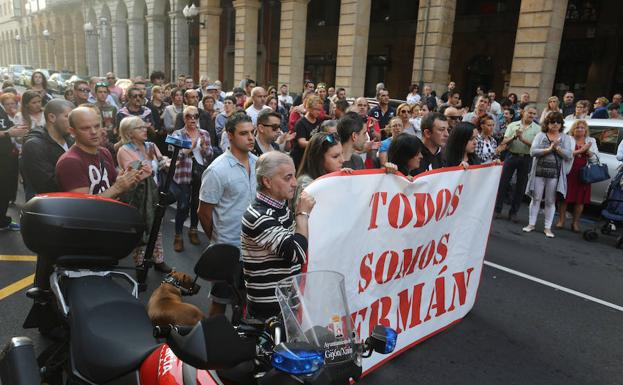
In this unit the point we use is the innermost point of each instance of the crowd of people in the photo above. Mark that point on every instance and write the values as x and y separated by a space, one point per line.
254 149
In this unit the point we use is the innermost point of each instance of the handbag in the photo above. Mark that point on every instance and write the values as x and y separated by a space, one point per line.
197 170
594 172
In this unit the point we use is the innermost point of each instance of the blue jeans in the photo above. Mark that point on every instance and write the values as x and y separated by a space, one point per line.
187 196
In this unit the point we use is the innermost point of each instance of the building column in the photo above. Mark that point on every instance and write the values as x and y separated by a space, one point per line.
292 42
180 53
209 39
245 51
433 43
120 48
136 32
155 35
35 56
105 49
537 44
352 46
80 65
92 54
68 51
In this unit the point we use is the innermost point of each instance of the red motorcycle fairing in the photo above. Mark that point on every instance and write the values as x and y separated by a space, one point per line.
162 367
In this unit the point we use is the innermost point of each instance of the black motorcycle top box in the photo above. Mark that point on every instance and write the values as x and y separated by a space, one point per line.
80 226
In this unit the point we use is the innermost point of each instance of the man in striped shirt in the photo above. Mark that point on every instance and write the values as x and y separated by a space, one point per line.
274 242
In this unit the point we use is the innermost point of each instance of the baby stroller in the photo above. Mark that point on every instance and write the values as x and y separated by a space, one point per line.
611 213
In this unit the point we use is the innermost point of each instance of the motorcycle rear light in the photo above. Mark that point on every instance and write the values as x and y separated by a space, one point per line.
383 339
295 359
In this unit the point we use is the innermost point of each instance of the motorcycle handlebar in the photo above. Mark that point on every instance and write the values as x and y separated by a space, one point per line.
164 331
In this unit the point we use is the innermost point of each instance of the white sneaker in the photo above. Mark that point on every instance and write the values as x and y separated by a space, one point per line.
528 229
548 233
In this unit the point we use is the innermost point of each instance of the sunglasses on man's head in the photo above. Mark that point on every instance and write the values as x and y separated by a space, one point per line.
330 138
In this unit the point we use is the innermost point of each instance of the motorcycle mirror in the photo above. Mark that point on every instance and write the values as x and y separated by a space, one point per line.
382 340
297 358
212 344
219 262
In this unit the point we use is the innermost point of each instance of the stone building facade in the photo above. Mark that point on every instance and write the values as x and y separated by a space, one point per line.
541 47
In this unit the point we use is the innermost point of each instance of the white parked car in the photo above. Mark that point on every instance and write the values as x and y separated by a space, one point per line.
608 134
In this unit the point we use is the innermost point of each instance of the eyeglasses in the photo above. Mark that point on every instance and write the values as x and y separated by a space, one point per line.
404 112
133 96
556 122
451 117
192 116
101 84
275 127
83 90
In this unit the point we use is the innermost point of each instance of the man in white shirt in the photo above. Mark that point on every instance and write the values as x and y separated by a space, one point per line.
284 98
495 107
258 94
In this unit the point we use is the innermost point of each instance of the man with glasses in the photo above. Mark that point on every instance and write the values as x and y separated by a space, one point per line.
453 116
383 112
258 95
81 92
135 107
518 137
269 136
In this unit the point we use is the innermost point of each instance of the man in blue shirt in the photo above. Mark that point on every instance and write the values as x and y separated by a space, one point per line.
228 187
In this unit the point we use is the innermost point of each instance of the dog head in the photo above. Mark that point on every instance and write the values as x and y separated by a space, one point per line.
184 282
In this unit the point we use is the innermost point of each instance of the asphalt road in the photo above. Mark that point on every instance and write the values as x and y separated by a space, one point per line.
519 332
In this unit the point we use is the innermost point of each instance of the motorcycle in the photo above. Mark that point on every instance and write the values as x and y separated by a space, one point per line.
104 336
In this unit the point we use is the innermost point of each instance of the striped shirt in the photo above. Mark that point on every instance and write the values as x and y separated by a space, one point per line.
271 251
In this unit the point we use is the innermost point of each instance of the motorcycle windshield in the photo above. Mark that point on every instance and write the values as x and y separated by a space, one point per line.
315 310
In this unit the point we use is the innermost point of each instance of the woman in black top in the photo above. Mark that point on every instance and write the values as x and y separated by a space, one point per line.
304 128
405 153
461 147
157 106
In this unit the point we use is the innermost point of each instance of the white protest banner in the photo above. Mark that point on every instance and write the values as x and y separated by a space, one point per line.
411 252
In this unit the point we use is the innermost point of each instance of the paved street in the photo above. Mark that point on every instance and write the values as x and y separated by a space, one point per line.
519 332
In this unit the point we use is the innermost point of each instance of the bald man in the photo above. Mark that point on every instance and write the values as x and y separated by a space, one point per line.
88 168
258 94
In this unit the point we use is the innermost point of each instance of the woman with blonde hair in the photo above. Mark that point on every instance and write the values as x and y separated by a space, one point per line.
578 193
553 105
404 113
137 153
394 128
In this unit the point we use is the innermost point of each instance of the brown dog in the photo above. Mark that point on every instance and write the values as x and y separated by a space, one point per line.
165 304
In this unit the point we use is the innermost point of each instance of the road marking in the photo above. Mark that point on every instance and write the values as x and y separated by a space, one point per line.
553 285
18 258
17 286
